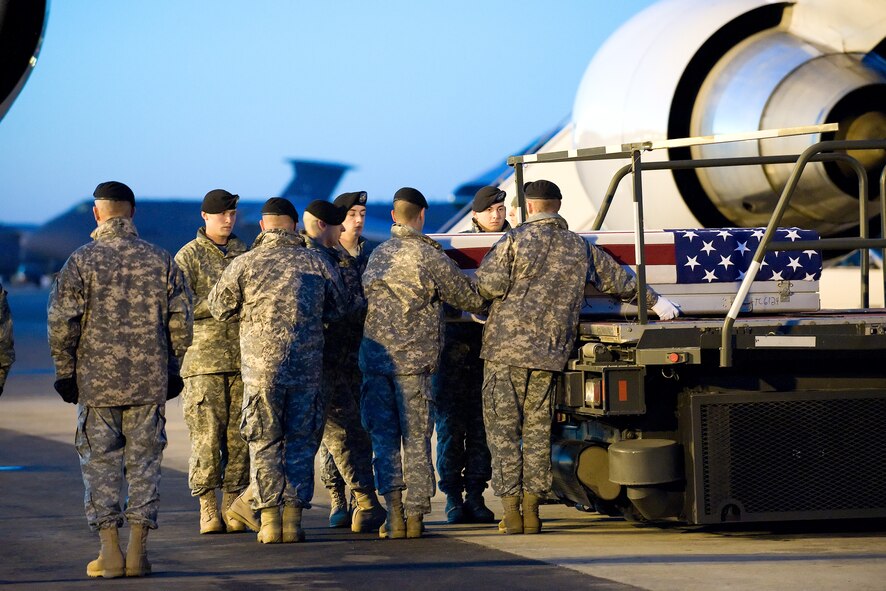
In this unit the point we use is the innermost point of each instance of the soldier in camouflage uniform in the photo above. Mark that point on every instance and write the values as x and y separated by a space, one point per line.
407 280
119 322
344 436
7 354
536 276
354 251
283 293
213 395
463 459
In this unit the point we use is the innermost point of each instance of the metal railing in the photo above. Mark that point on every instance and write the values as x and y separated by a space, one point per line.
819 152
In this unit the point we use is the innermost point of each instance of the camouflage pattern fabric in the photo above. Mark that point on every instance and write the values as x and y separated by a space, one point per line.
110 440
463 459
406 281
518 410
283 293
119 318
361 256
344 438
398 409
330 475
536 276
216 345
7 354
219 457
213 395
283 426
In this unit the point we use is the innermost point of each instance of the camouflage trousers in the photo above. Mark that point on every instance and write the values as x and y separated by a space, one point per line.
348 457
213 405
115 441
463 459
283 427
518 409
398 409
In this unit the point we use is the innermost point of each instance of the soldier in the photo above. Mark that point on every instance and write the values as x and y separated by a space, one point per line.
463 460
536 276
407 279
356 251
7 353
213 395
119 322
283 293
344 436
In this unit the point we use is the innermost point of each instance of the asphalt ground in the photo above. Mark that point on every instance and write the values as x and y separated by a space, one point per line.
45 543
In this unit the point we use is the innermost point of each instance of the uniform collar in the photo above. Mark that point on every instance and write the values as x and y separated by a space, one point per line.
548 218
278 237
234 244
114 228
404 232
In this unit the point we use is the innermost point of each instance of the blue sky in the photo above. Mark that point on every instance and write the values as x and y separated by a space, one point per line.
178 97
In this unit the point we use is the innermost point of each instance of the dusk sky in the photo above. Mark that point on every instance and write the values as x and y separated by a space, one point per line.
175 98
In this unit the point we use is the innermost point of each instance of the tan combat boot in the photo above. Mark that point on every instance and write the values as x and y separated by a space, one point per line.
271 531
109 563
415 525
233 526
292 531
512 521
210 522
368 514
531 522
137 564
241 511
339 516
394 526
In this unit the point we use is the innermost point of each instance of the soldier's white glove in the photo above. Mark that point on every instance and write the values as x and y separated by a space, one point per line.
665 309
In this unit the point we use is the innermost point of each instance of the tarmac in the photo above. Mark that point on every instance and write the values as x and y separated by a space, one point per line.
45 543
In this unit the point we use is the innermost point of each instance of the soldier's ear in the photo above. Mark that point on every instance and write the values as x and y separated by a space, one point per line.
96 215
393 217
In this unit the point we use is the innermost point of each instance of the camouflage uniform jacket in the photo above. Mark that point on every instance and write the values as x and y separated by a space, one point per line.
342 337
536 276
119 318
406 282
362 256
7 354
216 345
283 293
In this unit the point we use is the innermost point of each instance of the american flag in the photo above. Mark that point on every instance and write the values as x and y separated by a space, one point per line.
678 256
723 255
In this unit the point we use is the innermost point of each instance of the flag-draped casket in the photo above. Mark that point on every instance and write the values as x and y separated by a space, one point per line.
700 270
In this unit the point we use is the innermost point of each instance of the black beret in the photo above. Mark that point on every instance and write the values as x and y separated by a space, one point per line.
114 191
327 212
280 206
411 195
542 190
487 197
219 201
349 200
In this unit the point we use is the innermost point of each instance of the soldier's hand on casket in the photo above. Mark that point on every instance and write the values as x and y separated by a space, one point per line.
67 389
174 386
665 309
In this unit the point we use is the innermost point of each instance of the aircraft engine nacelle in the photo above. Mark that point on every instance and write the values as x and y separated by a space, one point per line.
21 32
685 68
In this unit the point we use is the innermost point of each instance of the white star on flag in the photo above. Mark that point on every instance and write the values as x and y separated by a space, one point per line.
809 277
724 234
709 276
810 253
690 234
725 261
708 247
776 276
757 234
741 274
692 262
742 248
792 234
795 263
